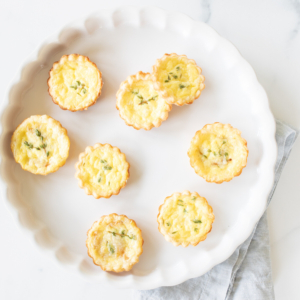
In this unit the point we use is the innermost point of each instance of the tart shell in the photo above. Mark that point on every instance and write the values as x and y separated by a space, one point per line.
164 93
118 218
125 85
61 61
87 190
232 132
62 131
197 240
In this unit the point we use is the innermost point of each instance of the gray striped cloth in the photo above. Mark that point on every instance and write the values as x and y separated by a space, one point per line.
246 274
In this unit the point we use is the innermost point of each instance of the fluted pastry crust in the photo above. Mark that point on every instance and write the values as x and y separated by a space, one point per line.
74 82
178 79
102 170
115 243
139 105
218 152
40 145
185 219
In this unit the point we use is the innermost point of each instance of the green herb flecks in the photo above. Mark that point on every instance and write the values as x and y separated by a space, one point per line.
193 198
196 229
180 204
185 211
182 86
79 87
111 249
103 161
107 167
197 221
168 224
29 145
174 232
142 100
47 153
122 234
41 146
99 179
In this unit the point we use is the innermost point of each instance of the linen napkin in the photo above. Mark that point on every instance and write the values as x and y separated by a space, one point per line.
247 273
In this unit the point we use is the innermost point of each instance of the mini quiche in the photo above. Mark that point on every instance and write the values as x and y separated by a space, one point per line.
75 82
178 79
139 103
218 152
115 243
102 171
40 145
185 219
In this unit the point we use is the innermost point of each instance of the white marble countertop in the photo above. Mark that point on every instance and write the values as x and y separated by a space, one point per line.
265 32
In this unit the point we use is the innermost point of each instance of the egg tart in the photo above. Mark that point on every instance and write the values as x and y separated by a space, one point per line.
218 152
115 243
75 82
139 104
185 219
178 79
102 170
40 145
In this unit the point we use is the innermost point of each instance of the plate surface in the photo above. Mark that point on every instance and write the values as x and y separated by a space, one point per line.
56 213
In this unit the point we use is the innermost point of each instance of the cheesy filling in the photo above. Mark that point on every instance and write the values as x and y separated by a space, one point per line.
114 244
103 170
141 104
75 84
40 147
186 218
181 80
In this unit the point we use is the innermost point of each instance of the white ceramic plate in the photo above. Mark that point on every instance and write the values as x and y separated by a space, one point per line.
56 213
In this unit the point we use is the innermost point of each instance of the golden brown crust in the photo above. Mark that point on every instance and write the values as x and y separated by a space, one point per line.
103 265
88 191
124 86
164 93
75 56
209 178
169 238
63 130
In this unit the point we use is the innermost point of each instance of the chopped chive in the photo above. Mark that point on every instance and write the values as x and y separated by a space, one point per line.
196 229
215 154
180 204
168 224
197 221
166 80
185 210
38 148
194 198
208 150
205 156
99 180
180 200
37 132
47 153
73 87
103 161
174 232
181 86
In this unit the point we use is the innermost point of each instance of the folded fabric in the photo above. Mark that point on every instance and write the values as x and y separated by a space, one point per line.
247 273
